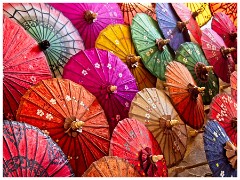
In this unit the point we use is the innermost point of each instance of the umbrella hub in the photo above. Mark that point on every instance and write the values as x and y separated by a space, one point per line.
226 51
73 126
202 71
90 16
233 36
231 153
194 90
182 25
44 45
171 123
132 61
162 42
111 89
234 123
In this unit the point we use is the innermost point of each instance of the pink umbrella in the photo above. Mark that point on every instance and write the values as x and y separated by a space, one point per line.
90 18
107 77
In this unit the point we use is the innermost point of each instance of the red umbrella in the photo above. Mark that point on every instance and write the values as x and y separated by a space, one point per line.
233 82
132 141
72 116
28 152
24 65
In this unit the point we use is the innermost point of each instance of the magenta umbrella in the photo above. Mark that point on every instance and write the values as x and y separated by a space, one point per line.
90 18
107 77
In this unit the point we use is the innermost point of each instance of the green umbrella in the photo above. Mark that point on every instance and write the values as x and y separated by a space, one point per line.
150 45
191 55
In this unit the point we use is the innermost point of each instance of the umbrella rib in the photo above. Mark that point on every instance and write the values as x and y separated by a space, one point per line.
5 99
10 92
52 63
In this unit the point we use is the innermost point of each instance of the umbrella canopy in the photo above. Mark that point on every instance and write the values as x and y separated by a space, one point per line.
233 82
111 166
131 9
23 65
153 108
150 44
191 55
223 108
117 39
188 20
185 94
90 18
169 23
107 77
220 152
28 152
55 34
218 54
132 141
73 118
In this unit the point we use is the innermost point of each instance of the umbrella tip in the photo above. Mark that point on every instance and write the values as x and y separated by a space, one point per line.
156 158
90 16
171 123
44 45
112 88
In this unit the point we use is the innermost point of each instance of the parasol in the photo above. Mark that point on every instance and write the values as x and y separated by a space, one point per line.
185 94
150 44
55 34
223 108
28 152
107 77
233 82
217 54
191 55
153 108
111 166
117 39
90 18
23 65
220 152
132 141
73 118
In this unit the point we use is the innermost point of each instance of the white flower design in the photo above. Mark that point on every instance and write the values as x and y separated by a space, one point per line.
49 116
40 112
189 51
158 61
154 106
120 75
117 42
33 78
109 66
30 67
126 87
214 84
169 32
197 51
215 134
151 50
68 98
97 65
115 14
214 48
148 53
164 10
84 72
210 92
145 37
82 103
126 104
53 101
222 174
208 46
150 100
185 60
147 116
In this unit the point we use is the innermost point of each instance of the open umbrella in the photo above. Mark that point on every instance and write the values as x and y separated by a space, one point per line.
90 18
191 55
132 141
73 118
220 152
111 166
170 24
153 108
223 108
55 34
23 65
150 44
117 39
28 152
218 54
185 94
107 77
233 82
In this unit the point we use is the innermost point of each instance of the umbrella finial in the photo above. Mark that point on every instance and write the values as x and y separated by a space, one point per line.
44 45
233 35
182 25
132 60
111 88
194 90
72 125
202 71
162 42
231 153
156 158
171 123
90 16
225 51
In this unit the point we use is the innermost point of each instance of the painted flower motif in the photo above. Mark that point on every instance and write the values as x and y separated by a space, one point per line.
215 134
208 46
185 60
148 53
127 104
30 67
222 174
45 132
117 42
120 75
151 50
135 64
197 51
40 112
126 87
147 121
82 103
214 84
147 115
158 61
210 92
230 99
154 106
145 37
169 32
109 66
118 117
219 117
149 100
33 79
84 72
164 10
115 14
53 101
189 51
68 98
97 65
224 99
217 164
214 48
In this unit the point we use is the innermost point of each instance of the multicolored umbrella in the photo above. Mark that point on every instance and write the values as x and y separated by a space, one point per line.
153 108
117 39
150 44
220 152
233 82
223 108
132 141
218 54
185 94
111 166
191 55
55 34
28 152
73 118
90 18
23 65
107 77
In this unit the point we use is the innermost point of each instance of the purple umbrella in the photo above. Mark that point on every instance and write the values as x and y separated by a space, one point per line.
106 77
90 18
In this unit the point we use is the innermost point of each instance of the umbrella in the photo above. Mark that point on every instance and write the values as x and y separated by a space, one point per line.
150 44
73 118
28 152
132 141
106 77
223 108
131 9
23 65
90 18
220 152
185 94
233 82
153 108
188 20
117 39
111 166
217 54
55 34
191 55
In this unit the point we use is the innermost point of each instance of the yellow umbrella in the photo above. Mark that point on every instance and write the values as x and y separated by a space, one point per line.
117 39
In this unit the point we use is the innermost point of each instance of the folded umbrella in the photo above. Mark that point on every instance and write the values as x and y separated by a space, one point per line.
233 82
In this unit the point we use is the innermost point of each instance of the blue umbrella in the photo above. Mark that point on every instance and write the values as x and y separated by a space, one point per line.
217 147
